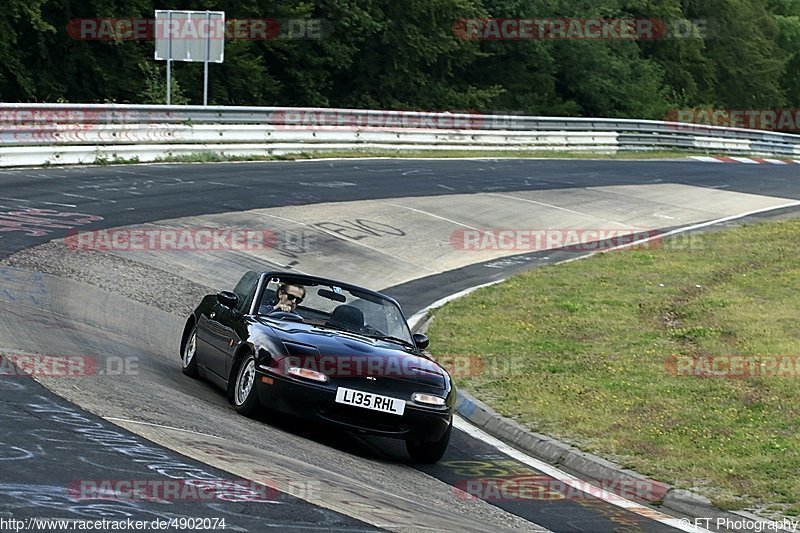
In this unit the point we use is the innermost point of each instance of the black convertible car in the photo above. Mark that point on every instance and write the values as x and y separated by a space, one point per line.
324 351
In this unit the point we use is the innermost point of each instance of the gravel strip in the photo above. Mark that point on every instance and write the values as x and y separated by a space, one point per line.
151 286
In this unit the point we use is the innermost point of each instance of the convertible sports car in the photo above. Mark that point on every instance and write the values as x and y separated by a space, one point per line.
344 356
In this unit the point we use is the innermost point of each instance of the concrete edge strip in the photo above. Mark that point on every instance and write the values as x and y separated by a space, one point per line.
335 491
511 437
746 160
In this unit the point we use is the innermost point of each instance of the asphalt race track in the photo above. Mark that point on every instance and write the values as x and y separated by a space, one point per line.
386 224
49 446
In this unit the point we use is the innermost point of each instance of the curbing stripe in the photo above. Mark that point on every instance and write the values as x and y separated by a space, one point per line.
747 160
706 159
574 482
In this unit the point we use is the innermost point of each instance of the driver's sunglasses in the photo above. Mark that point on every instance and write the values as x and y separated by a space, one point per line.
292 298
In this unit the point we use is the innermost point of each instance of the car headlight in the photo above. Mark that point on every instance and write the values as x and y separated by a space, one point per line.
429 399
307 373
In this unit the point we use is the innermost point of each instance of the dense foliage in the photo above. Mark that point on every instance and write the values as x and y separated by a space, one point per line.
405 54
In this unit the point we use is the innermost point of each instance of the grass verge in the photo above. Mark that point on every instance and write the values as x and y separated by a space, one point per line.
212 157
586 351
216 157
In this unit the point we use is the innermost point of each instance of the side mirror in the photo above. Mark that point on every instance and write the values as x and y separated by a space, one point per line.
228 299
421 340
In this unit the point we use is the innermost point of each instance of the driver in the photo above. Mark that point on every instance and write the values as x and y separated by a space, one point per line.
289 297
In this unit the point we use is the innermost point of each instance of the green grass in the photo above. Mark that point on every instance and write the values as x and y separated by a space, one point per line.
579 351
104 161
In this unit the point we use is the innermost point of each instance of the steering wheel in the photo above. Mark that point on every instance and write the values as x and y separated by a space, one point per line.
285 315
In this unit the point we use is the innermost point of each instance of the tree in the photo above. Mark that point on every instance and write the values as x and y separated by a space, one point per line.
748 63
786 14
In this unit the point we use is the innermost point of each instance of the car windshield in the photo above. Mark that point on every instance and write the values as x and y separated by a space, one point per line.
341 308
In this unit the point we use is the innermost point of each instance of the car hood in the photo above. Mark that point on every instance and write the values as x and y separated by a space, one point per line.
344 354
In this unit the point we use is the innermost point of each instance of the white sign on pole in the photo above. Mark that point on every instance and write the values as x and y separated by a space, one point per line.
190 36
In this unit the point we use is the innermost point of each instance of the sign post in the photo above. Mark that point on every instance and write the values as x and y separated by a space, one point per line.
189 36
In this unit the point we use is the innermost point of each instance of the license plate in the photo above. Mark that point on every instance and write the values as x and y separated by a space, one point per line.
367 400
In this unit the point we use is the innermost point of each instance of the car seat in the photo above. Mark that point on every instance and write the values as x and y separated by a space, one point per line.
348 317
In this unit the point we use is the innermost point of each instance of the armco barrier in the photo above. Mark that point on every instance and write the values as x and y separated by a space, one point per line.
38 134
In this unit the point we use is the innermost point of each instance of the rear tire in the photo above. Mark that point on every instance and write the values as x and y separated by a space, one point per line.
245 398
189 355
429 452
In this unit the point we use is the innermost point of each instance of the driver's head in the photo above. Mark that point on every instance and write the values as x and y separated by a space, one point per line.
291 295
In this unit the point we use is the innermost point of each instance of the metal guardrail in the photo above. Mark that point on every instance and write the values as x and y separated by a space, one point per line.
36 134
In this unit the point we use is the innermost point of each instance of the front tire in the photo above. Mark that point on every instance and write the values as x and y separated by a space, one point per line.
429 452
245 398
189 355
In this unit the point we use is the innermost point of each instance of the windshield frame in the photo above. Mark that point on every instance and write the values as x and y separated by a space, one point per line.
375 306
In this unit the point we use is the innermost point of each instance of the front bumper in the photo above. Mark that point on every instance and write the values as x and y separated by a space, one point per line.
316 402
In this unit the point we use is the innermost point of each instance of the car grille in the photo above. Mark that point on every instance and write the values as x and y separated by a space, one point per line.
364 418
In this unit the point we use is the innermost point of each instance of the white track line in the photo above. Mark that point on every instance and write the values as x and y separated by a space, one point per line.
88 197
113 419
698 226
417 317
420 211
587 215
575 482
